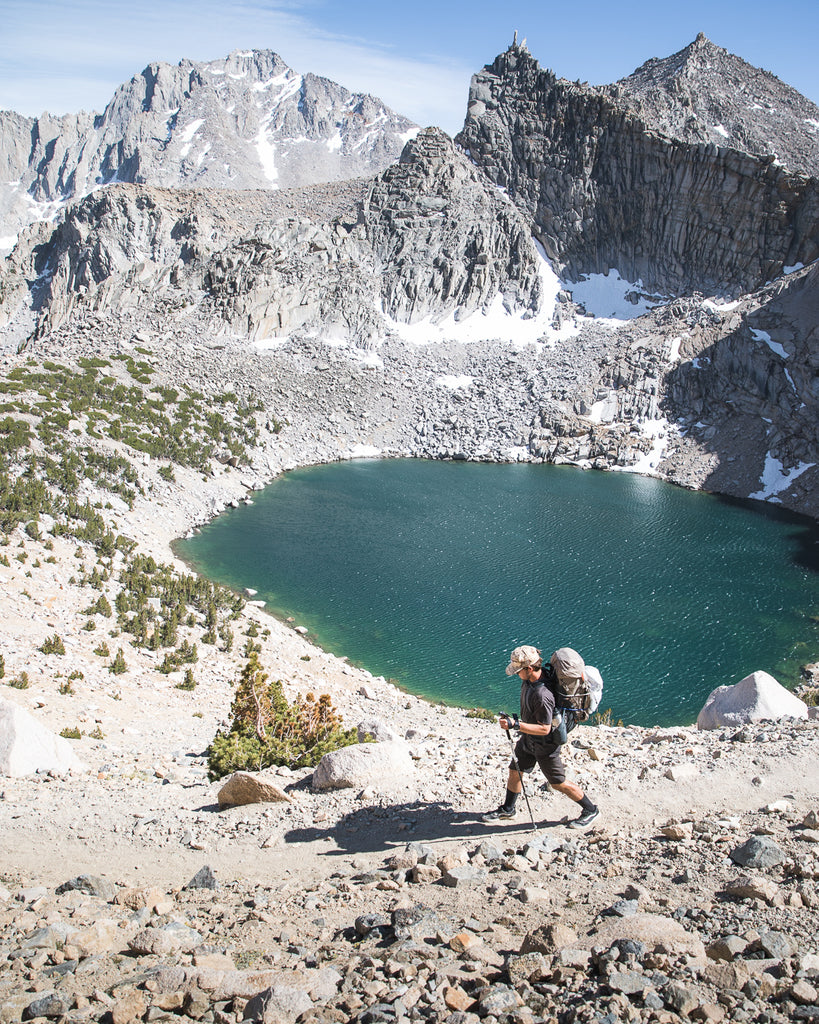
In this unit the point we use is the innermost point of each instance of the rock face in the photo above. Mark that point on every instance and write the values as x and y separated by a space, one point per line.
245 122
756 697
429 237
675 176
27 747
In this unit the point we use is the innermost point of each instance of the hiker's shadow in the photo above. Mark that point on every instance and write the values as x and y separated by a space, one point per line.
374 828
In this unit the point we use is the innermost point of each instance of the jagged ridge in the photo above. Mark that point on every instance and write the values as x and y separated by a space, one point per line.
607 186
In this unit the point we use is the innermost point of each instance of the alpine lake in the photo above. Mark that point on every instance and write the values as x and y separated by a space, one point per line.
429 573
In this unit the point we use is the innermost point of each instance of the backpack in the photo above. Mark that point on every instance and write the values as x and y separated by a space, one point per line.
578 687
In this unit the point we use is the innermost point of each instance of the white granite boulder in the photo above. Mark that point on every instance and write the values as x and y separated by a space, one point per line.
27 746
376 729
362 764
754 698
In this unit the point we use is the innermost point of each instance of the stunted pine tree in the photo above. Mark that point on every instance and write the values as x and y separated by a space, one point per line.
266 729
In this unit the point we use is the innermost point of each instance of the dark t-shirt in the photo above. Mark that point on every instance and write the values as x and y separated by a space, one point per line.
537 707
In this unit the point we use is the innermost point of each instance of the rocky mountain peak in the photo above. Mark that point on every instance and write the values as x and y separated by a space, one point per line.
243 122
671 176
704 93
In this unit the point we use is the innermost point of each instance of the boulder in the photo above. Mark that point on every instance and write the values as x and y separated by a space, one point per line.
277 1004
756 697
378 730
250 788
27 746
363 764
657 933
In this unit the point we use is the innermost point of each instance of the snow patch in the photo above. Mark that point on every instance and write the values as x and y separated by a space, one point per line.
371 360
811 122
267 156
776 479
7 243
334 143
493 322
188 134
774 346
720 307
364 451
674 350
658 431
720 129
604 296
448 380
603 411
793 269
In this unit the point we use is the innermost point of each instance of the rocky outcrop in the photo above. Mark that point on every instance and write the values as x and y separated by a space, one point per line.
429 237
670 175
746 386
245 122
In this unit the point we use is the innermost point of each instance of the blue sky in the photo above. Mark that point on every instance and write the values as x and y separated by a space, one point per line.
67 55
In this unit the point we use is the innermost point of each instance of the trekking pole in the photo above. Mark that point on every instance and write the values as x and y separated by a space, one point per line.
516 766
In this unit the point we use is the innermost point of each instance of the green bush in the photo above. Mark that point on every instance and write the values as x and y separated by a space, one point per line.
188 683
53 645
2 666
118 665
71 733
481 713
102 651
19 682
267 730
101 606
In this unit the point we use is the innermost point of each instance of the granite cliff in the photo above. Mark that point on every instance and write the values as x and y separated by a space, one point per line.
696 173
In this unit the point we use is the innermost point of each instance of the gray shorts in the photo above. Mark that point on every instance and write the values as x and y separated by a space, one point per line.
549 759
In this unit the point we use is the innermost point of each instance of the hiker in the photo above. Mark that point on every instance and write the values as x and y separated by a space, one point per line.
537 743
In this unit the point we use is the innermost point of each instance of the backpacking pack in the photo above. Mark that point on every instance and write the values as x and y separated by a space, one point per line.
578 686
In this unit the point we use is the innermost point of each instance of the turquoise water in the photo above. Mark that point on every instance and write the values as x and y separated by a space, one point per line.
431 572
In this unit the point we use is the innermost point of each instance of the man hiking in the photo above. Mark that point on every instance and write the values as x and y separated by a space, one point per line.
538 743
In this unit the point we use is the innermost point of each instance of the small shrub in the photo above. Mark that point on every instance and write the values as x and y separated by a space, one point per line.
20 681
71 733
97 733
53 645
188 683
118 665
90 626
102 651
66 689
166 473
101 606
489 716
2 666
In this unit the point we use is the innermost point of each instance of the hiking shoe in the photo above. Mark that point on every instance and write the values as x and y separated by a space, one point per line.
585 819
500 814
